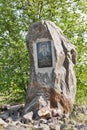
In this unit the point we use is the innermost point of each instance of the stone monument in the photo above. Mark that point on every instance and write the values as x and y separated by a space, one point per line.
52 79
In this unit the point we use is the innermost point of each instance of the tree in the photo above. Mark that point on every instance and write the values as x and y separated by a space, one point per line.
14 65
15 18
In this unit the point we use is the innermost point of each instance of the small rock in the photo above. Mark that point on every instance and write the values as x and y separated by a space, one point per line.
72 122
86 122
55 120
4 115
15 107
60 122
56 112
80 127
25 128
55 127
11 127
36 123
44 121
42 127
51 124
17 123
15 126
3 108
67 115
63 126
73 127
84 110
80 115
9 120
14 114
73 114
45 127
50 120
45 113
2 122
28 117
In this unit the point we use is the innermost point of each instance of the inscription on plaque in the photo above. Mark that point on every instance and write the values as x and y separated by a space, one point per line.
44 54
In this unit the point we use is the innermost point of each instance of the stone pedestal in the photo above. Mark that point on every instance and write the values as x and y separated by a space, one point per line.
52 79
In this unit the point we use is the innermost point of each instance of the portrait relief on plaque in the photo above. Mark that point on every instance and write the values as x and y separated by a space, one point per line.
44 54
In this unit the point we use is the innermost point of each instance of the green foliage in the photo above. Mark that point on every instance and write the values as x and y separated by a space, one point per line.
14 63
15 18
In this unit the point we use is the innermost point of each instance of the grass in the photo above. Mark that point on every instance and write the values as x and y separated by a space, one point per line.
12 98
81 97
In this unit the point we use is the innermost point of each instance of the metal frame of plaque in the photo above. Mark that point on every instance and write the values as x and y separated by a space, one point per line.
44 54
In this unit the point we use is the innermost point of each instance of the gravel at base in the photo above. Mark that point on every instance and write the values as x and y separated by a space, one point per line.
76 121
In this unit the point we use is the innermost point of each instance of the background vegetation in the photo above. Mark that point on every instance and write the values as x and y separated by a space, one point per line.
15 18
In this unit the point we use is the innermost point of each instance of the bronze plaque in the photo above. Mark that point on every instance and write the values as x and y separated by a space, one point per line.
44 54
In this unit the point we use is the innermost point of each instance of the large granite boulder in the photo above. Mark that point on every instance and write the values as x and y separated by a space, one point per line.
52 78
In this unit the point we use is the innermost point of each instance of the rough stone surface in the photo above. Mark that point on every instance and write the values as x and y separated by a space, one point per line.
55 86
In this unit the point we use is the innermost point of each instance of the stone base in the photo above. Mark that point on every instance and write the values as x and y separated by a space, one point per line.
42 97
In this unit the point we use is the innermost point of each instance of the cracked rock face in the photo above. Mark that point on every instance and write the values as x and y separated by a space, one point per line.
52 78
